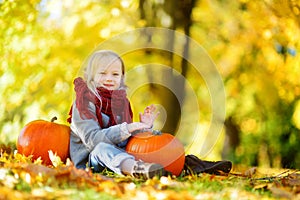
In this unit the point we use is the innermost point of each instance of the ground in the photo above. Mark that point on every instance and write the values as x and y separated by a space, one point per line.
22 178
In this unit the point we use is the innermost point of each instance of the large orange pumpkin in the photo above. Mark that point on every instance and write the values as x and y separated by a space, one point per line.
157 147
38 137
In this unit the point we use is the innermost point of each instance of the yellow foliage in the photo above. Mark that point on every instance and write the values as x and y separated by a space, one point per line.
253 43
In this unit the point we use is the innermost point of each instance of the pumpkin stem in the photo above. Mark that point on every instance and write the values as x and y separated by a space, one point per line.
53 119
156 132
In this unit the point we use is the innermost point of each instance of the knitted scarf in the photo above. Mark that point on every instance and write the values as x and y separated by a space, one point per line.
113 103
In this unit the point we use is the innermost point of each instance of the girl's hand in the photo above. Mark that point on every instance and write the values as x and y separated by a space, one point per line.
149 116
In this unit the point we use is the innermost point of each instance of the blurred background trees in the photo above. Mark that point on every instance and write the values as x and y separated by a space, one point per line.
254 45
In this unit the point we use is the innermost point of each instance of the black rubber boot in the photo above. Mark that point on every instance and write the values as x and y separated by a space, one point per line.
194 165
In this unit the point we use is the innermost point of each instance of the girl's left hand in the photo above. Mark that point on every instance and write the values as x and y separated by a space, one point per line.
149 116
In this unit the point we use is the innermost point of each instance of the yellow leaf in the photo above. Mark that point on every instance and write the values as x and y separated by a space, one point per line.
55 159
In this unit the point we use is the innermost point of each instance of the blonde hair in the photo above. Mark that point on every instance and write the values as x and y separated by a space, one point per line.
101 57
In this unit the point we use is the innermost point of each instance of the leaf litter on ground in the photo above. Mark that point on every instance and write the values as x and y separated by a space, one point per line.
22 178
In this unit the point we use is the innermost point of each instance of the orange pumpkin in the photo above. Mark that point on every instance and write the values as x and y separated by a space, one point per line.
38 137
157 147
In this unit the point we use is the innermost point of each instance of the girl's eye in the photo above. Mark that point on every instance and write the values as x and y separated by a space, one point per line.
102 73
115 74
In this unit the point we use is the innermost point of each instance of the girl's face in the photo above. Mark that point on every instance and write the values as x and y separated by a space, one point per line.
109 76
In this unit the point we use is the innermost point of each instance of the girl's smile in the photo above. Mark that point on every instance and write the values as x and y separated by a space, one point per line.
109 86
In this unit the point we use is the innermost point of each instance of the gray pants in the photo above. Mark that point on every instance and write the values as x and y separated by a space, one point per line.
108 156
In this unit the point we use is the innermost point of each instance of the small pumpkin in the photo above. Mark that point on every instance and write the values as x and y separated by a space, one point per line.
38 137
158 147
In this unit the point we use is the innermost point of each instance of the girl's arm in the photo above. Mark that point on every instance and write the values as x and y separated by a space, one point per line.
90 132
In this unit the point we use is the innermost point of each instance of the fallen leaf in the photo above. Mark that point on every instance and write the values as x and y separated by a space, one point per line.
247 173
55 159
292 179
281 193
250 172
261 186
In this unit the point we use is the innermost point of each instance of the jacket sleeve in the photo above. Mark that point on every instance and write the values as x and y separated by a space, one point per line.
90 132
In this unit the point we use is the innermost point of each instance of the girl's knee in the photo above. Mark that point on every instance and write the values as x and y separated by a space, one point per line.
102 147
107 151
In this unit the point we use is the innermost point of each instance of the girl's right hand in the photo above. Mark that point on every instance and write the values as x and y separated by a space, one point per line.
149 115
136 126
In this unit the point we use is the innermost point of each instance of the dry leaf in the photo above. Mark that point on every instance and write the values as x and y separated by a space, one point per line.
281 193
261 186
55 159
250 172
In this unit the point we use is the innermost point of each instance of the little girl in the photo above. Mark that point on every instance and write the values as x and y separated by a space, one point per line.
101 123
101 120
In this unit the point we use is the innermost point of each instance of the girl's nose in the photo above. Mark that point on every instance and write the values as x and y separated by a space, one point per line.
108 78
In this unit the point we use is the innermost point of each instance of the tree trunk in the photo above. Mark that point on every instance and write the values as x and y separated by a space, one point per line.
172 98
